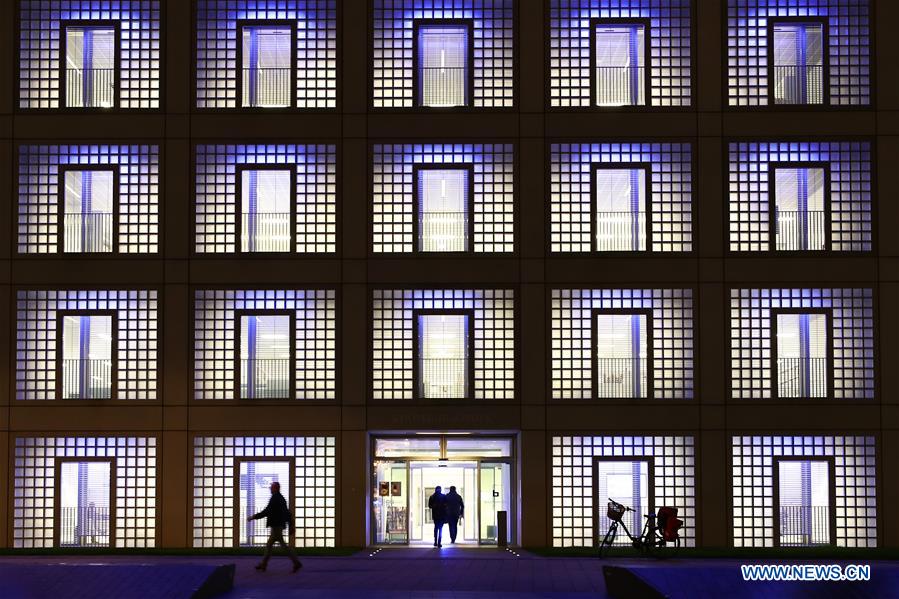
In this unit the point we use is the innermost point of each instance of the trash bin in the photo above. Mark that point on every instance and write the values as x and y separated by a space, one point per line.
502 526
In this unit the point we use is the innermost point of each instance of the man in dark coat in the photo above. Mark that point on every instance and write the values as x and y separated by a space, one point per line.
455 509
437 504
277 517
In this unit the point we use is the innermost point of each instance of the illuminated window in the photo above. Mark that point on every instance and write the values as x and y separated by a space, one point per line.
800 196
231 478
798 63
483 318
442 67
626 482
803 343
255 54
266 360
801 215
84 492
90 69
620 53
814 52
803 502
457 53
256 476
267 66
620 198
94 344
619 64
647 471
621 343
770 500
88 199
444 340
266 198
265 344
86 513
776 353
444 200
621 355
87 356
89 54
88 210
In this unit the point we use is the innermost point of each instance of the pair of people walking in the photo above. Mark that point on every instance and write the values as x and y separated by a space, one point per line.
446 509
277 518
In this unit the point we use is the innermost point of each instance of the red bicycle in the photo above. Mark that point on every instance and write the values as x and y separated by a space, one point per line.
660 531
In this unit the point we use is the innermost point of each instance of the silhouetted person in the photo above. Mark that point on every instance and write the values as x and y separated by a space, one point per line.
277 517
437 503
455 509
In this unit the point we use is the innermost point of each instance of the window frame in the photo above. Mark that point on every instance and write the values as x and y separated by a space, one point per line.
57 490
646 168
831 494
238 338
417 25
113 24
646 22
775 375
239 25
116 205
239 170
238 517
600 503
825 61
417 205
114 353
417 394
594 374
772 205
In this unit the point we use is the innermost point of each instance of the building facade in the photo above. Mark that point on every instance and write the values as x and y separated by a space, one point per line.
549 252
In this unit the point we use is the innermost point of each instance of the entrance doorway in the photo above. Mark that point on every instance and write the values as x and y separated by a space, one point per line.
406 472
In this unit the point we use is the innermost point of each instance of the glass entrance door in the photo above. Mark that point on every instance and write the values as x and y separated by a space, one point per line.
425 477
495 496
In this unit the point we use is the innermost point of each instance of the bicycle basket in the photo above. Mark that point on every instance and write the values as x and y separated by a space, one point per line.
615 511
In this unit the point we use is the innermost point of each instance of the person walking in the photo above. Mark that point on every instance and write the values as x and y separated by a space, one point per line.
437 505
277 518
455 509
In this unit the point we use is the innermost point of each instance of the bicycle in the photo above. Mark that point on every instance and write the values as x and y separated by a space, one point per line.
659 532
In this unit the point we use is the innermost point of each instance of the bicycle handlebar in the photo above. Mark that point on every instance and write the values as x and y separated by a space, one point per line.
626 508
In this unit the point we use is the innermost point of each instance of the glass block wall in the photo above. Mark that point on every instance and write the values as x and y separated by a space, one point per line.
669 48
671 339
40 184
855 501
494 339
669 192
848 54
313 488
218 194
316 48
493 31
849 176
493 191
574 494
136 362
34 487
40 47
852 319
215 351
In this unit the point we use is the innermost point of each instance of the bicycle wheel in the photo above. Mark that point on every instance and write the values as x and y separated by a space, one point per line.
608 540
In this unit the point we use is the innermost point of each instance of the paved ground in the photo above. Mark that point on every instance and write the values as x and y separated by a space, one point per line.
457 573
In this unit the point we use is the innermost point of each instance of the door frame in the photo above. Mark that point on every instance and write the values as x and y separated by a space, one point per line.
599 502
291 501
